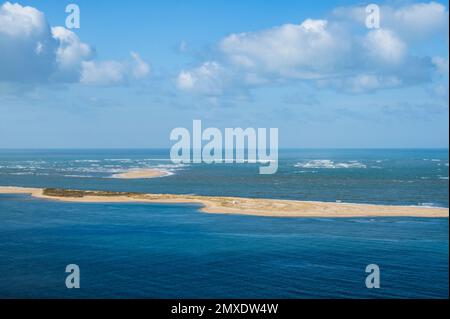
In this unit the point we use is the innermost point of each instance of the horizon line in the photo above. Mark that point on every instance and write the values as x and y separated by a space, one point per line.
168 148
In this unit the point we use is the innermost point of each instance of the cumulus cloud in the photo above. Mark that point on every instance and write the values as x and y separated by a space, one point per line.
420 19
413 21
71 53
384 46
107 73
26 45
17 21
34 52
288 50
329 53
209 79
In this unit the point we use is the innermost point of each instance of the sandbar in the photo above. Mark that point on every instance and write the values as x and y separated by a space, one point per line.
237 205
142 173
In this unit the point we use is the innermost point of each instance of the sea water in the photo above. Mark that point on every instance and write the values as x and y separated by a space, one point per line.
176 251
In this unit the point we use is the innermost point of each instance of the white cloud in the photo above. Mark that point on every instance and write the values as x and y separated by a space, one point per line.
302 51
305 51
102 73
26 46
420 19
18 21
71 52
207 79
32 52
331 52
384 47
412 21
186 80
107 73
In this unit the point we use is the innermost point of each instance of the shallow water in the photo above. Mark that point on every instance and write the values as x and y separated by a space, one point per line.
408 177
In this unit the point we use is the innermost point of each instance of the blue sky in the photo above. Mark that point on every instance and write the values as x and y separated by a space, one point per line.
136 70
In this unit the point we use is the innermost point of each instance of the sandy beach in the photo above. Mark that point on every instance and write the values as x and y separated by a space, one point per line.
142 173
236 205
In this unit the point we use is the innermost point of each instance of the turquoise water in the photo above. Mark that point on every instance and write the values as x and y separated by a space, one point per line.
410 177
175 251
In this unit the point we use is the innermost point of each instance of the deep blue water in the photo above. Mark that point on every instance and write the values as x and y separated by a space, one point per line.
175 251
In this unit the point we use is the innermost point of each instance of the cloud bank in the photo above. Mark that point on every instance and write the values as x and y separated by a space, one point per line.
339 52
34 52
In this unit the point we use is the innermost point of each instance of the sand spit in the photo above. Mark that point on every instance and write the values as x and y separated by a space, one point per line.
236 205
142 173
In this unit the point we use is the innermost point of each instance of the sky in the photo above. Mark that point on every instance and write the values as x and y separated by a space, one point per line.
135 70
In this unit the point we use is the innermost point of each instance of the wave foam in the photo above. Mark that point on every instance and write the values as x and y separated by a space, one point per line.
315 164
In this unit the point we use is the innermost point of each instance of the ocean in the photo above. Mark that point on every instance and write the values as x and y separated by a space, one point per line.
176 251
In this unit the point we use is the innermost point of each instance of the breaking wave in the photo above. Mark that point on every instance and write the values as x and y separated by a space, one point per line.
315 164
